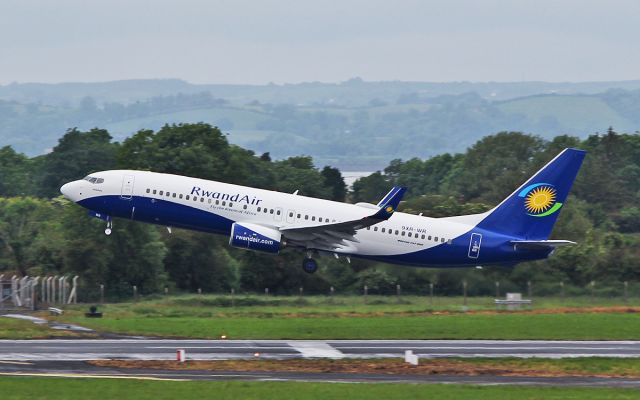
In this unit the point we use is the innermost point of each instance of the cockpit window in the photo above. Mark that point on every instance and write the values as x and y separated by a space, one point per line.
93 179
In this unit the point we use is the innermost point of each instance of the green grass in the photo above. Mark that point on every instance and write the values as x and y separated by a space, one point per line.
349 317
458 326
70 389
19 329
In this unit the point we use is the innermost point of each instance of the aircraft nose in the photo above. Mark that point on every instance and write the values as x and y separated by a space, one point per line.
67 190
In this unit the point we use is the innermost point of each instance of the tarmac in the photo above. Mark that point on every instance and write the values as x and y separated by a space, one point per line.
68 358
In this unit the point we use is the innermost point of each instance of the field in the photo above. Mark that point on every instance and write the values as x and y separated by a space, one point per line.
69 389
321 317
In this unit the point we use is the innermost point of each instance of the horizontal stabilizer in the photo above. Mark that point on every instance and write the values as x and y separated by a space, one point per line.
541 244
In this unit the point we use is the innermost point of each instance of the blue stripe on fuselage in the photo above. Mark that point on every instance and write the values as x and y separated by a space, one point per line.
161 212
495 248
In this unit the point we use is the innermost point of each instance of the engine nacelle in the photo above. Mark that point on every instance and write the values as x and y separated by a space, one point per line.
255 237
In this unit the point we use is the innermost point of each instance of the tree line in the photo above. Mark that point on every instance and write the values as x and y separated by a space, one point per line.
41 233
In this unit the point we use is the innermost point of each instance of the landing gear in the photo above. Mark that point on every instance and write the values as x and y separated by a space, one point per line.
309 265
109 226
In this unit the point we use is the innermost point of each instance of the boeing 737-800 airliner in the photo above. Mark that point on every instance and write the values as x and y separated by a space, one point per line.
515 230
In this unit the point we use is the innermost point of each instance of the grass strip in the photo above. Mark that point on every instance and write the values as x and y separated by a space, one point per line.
520 326
592 367
71 388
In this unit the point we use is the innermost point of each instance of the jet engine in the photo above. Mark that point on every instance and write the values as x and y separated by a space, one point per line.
256 237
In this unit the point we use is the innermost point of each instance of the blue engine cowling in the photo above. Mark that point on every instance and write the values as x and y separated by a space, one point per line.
255 237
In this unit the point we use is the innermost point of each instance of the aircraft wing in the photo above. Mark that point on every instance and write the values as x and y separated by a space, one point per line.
337 235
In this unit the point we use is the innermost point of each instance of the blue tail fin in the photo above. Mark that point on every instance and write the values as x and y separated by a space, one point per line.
531 211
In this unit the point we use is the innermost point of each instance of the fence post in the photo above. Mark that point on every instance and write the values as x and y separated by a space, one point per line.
266 291
199 290
135 293
626 292
101 293
464 289
300 291
529 290
366 292
562 289
233 297
398 291
431 294
593 294
166 290
497 289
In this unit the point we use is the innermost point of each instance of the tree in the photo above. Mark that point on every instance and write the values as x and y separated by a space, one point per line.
76 155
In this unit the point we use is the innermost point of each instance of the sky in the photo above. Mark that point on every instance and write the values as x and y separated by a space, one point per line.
291 41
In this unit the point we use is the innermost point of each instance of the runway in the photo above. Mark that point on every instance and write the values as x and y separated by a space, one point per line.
163 349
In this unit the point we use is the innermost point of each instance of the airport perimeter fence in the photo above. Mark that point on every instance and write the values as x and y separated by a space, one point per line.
622 293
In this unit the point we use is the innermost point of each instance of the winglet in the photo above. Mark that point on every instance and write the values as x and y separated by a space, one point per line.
389 203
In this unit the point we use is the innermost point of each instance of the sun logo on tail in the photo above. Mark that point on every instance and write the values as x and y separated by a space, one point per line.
540 199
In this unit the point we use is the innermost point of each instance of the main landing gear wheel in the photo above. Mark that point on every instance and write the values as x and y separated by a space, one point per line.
309 265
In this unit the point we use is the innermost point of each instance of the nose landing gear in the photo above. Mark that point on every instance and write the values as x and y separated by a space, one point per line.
107 231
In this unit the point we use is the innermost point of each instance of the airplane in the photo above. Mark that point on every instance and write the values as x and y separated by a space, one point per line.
514 231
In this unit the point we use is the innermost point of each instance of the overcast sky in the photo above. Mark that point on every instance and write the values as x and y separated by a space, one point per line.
288 41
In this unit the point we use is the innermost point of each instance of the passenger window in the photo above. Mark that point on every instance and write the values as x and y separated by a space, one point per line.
382 230
368 228
218 202
161 193
442 240
265 210
403 233
429 237
180 195
195 198
244 207
259 208
224 203
187 197
422 237
278 212
306 217
291 214
390 231
168 194
375 229
435 238
201 199
298 216
148 190
397 232
209 201
313 218
409 234
154 191
271 211
173 195
230 204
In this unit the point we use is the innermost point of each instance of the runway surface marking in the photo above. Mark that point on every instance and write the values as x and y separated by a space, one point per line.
316 349
99 376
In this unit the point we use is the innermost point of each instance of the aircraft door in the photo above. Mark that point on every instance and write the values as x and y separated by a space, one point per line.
127 187
291 214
